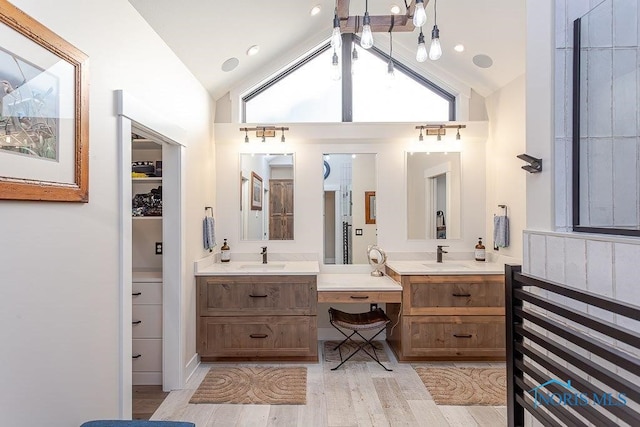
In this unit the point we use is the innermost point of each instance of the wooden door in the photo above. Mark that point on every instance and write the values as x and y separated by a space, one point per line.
281 209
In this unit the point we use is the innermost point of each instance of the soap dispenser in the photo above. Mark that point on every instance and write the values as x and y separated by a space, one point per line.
480 252
225 252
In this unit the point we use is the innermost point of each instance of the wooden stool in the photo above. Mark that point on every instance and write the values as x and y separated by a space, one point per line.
375 319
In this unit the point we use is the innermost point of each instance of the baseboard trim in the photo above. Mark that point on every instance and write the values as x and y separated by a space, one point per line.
191 367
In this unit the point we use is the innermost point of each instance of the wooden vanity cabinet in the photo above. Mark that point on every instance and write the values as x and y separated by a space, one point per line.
257 318
457 317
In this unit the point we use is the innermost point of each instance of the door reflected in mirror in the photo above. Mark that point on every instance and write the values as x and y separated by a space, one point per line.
266 196
349 188
433 196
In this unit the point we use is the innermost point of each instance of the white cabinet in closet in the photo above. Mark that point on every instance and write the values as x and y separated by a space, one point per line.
146 294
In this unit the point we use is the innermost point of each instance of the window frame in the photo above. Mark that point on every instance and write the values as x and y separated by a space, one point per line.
347 83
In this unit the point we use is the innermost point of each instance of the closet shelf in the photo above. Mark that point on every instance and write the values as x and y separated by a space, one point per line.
146 217
148 179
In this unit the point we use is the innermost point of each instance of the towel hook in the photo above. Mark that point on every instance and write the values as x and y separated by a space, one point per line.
206 208
505 209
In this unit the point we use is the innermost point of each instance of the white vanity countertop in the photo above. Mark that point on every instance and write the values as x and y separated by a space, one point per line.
447 267
254 268
350 282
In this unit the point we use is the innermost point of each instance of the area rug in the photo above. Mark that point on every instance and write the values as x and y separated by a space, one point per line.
257 385
465 386
331 355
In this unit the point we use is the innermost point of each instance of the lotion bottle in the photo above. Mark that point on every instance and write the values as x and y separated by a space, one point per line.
480 252
225 252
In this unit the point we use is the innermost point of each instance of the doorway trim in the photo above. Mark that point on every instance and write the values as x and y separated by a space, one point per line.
132 112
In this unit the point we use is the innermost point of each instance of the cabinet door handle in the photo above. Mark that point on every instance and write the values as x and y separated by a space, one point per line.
461 295
136 322
258 335
257 296
137 356
463 336
136 294
359 297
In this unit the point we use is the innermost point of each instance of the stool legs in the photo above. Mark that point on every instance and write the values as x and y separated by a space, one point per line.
361 346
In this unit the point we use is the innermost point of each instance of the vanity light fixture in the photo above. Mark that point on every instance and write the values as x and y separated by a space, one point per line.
420 137
264 132
439 130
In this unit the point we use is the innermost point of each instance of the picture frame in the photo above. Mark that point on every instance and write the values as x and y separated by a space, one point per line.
256 192
369 207
44 112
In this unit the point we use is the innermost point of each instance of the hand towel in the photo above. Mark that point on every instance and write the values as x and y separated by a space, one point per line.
501 231
209 233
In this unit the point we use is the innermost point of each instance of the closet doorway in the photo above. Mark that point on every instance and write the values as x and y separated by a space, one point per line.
136 117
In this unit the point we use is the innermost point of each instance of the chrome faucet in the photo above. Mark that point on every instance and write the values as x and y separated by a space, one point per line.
440 252
264 254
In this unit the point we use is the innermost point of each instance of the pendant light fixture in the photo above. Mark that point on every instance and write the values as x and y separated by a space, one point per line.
435 51
421 54
336 72
336 36
366 41
246 135
419 15
390 69
354 60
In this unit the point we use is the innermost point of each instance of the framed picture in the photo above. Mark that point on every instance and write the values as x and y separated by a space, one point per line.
256 192
369 207
44 112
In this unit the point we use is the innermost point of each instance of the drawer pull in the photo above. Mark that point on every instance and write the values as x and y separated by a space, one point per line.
136 322
463 336
461 295
359 297
137 356
257 296
136 294
258 335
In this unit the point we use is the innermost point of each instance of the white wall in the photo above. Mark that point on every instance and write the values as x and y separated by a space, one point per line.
59 261
390 142
506 181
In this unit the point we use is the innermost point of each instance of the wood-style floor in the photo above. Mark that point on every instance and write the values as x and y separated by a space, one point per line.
146 400
359 394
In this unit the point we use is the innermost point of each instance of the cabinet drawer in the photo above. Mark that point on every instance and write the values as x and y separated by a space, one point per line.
146 321
482 293
146 293
456 336
259 336
257 295
149 352
359 296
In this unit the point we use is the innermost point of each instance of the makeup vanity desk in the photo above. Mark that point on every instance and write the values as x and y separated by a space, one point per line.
357 288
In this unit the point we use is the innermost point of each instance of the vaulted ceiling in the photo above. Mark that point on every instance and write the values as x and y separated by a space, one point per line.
206 33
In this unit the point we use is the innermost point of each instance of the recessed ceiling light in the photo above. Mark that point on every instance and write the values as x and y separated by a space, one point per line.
395 9
459 48
483 61
230 64
253 50
315 10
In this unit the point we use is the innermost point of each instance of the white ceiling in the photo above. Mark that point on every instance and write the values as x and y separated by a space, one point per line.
205 33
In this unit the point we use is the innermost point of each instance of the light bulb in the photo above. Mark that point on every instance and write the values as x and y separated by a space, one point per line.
335 67
421 54
435 51
391 72
419 15
366 41
336 37
354 60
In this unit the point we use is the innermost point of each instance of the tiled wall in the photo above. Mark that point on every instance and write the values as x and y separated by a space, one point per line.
609 114
606 265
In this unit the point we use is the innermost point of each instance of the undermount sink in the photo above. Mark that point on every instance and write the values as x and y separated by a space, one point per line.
261 267
446 266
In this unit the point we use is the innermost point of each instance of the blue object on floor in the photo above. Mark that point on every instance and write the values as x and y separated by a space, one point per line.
136 423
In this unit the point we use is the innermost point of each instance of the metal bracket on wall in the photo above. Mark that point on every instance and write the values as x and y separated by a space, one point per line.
535 164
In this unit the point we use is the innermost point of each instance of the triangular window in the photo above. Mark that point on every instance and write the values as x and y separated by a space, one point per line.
306 91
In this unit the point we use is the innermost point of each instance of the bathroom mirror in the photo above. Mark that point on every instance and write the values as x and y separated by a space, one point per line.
349 185
433 195
266 196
